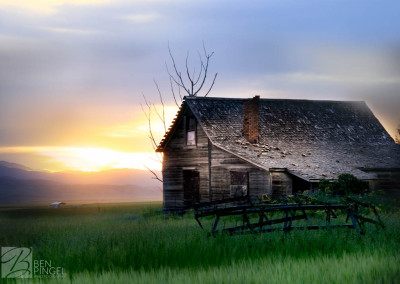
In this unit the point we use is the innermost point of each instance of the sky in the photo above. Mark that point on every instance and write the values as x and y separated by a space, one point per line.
73 73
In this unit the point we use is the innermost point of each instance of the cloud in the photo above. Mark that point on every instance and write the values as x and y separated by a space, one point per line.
72 31
140 126
354 78
142 18
47 6
360 64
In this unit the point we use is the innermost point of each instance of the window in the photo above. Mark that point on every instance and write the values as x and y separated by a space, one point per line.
191 131
239 183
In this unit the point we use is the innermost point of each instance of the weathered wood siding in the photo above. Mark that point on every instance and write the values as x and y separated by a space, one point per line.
179 157
222 163
214 166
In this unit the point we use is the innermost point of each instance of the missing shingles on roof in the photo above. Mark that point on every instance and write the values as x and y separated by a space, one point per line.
300 127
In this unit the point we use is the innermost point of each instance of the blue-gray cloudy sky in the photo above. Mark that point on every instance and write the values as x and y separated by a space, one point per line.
72 72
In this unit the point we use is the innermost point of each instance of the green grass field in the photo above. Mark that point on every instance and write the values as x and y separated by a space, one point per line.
135 243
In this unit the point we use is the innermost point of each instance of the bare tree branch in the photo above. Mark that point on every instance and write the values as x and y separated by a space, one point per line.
201 68
207 56
188 75
178 74
163 107
179 92
173 79
148 116
192 88
155 176
173 91
212 85
194 72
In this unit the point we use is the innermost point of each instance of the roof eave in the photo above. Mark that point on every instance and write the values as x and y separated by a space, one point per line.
167 136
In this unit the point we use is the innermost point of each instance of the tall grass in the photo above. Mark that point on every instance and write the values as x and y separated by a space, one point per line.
117 243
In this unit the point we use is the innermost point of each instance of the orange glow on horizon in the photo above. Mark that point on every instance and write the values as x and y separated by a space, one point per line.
87 159
123 143
87 170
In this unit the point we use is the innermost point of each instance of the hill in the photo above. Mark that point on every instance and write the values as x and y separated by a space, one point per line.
14 165
27 191
19 184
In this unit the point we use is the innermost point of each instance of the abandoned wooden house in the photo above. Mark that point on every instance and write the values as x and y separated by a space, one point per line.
219 148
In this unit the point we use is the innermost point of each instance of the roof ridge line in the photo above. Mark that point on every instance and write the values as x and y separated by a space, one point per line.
270 99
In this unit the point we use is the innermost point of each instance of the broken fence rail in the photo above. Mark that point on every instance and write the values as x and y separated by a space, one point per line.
222 208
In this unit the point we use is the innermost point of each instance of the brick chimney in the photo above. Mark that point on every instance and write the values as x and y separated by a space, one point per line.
250 119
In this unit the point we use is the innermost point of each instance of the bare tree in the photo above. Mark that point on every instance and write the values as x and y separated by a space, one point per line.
148 110
192 84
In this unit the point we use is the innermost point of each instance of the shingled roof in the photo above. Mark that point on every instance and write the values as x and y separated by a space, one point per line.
311 139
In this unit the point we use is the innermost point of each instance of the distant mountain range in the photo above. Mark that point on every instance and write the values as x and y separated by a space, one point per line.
20 184
14 165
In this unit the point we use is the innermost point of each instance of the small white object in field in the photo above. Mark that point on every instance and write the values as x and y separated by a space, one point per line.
56 204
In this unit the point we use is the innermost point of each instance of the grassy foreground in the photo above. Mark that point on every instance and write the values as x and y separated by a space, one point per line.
109 243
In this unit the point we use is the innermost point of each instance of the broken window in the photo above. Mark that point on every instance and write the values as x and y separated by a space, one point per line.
239 183
191 131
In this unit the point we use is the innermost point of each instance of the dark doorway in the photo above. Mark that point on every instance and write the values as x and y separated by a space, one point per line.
191 187
300 185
